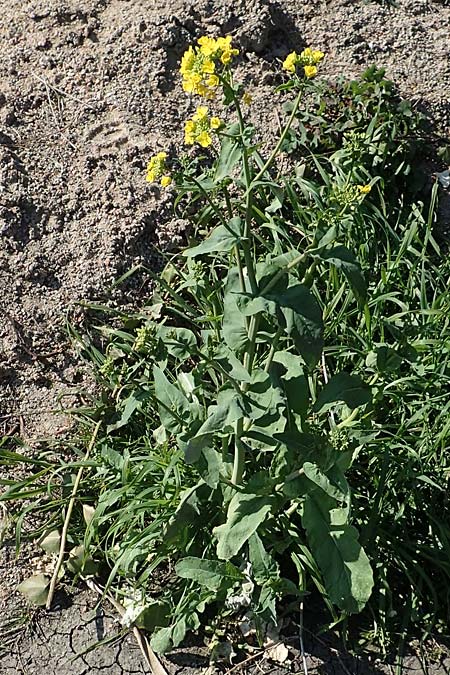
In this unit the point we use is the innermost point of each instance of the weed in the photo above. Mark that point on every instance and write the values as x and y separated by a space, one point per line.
275 418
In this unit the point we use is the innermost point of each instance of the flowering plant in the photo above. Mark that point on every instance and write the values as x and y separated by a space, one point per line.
249 358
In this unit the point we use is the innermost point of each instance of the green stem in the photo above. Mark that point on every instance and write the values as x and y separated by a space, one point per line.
239 457
309 276
239 454
285 270
228 201
273 348
237 255
210 202
281 140
250 353
216 366
223 222
248 202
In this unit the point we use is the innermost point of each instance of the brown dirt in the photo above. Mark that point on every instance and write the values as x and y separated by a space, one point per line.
88 91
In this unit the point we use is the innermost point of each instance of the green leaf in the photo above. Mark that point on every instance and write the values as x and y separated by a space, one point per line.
343 387
216 467
293 381
246 512
231 364
179 631
80 562
187 513
35 588
154 615
175 410
301 312
51 541
213 574
221 240
220 419
192 447
344 260
334 544
179 342
266 605
333 483
264 567
304 322
187 383
234 325
384 359
130 405
263 435
88 513
161 641
262 398
248 305
230 152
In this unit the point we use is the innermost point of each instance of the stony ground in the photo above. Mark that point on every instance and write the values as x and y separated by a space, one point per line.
88 91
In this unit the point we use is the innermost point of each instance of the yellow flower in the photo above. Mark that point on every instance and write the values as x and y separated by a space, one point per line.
156 169
208 67
198 64
310 71
317 55
308 58
213 81
246 98
215 123
364 189
201 114
290 62
197 129
311 57
224 42
187 61
189 132
207 45
228 54
204 139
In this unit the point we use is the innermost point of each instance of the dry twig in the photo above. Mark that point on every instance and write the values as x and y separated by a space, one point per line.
62 546
149 655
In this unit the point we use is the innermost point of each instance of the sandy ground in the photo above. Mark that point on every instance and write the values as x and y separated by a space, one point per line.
88 91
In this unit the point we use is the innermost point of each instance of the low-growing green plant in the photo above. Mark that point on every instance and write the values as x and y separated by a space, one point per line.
270 421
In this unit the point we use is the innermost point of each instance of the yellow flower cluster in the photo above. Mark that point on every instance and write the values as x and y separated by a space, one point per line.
156 170
197 129
199 65
349 195
309 58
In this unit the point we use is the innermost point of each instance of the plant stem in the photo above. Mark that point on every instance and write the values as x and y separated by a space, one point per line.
281 140
248 202
285 270
239 458
224 223
62 546
239 454
228 201
210 201
237 255
273 348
